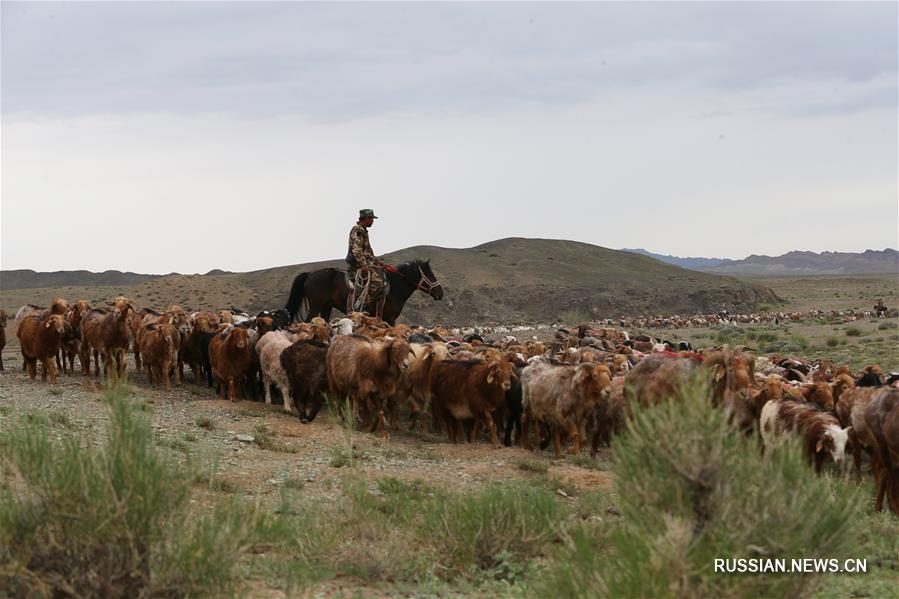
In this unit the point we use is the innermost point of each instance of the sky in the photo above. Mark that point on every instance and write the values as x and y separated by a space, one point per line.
161 137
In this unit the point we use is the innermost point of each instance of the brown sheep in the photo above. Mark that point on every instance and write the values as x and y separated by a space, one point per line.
415 384
563 397
194 348
470 390
158 348
818 393
367 372
3 319
40 339
882 421
733 381
229 358
304 364
610 415
106 331
174 316
71 342
656 378
851 409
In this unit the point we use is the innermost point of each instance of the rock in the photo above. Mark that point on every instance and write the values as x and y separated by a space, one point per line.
245 438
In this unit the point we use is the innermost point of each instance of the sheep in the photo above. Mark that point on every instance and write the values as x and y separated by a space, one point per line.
158 348
367 372
174 316
269 348
71 342
414 385
229 358
470 390
39 340
733 380
344 326
609 416
304 364
882 422
851 412
563 397
3 319
106 331
819 429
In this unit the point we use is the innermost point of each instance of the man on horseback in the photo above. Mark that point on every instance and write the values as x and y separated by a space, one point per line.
364 269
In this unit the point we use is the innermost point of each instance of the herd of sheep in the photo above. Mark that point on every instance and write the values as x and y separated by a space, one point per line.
579 386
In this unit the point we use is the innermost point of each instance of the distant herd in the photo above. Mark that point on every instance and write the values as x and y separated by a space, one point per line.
577 388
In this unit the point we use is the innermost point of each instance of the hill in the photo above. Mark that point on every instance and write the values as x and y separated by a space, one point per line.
694 263
810 263
29 279
514 279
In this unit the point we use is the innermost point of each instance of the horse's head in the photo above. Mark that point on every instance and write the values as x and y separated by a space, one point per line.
428 281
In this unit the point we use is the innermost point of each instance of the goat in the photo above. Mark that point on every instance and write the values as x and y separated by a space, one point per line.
71 341
470 390
3 319
819 429
882 421
39 340
106 331
229 359
158 348
269 348
367 372
563 397
304 364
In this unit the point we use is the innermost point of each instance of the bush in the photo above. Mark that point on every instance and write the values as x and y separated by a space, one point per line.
693 489
887 325
110 520
853 332
832 341
490 527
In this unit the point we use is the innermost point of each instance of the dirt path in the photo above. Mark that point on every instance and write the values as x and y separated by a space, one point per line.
200 427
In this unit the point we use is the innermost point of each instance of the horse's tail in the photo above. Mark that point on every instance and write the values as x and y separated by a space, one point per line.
297 295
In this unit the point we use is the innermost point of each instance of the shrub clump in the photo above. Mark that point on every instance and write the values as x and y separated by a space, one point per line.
693 489
853 332
110 520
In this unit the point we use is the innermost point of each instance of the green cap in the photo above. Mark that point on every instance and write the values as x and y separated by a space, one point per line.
366 212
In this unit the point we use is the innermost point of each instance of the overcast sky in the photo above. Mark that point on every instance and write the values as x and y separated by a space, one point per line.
158 137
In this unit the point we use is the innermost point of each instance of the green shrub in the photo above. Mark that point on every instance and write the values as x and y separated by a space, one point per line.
887 325
693 489
799 341
110 520
832 341
853 332
489 527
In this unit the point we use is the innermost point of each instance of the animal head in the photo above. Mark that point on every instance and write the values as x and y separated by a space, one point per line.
59 306
593 381
399 353
500 373
122 306
56 322
3 318
237 336
834 441
429 281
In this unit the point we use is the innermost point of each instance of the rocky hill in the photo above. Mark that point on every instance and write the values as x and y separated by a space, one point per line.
514 279
811 263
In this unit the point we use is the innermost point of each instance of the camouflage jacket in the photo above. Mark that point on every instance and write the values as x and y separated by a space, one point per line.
360 253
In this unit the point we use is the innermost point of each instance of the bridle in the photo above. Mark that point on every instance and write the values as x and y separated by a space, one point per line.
425 284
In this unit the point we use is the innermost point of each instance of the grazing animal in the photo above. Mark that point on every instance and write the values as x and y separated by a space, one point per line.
160 354
851 409
3 319
819 429
609 416
563 397
882 421
304 364
269 348
229 359
367 372
319 292
40 340
71 341
733 381
871 376
470 390
105 331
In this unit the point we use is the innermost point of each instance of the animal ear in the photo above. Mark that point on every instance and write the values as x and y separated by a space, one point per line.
819 445
490 377
49 322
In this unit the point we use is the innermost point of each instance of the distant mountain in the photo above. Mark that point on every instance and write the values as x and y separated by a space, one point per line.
29 279
810 263
691 263
508 280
